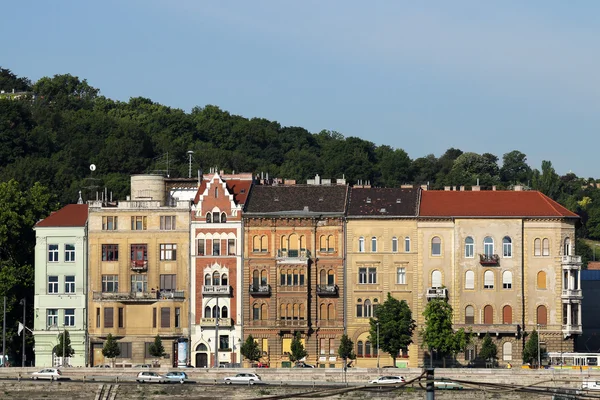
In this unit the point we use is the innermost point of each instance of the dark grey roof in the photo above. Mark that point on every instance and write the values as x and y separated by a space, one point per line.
383 202
297 199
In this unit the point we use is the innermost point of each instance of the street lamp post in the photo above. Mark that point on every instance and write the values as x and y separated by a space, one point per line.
217 315
378 345
23 303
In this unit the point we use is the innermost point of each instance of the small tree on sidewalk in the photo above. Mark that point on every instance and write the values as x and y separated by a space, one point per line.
157 349
111 348
63 349
250 350
346 351
530 353
297 350
489 351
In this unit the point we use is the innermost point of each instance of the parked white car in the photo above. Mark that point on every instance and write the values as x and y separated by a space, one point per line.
177 376
388 380
149 376
47 373
248 379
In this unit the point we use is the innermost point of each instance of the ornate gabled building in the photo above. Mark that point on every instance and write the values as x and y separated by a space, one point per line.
505 261
293 275
381 249
139 273
216 269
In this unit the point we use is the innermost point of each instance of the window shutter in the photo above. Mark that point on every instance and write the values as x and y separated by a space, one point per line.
165 317
108 317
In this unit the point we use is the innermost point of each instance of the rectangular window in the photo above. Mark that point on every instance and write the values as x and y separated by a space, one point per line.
98 317
323 345
108 317
168 282
255 313
231 247
374 244
407 244
154 317
361 245
110 283
53 284
110 252
168 252
167 223
216 245
52 253
201 247
362 275
401 276
165 317
139 283
177 317
331 347
109 223
147 349
121 317
372 275
138 223
125 348
69 253
216 217
69 284
394 245
224 342
70 317
359 310
52 317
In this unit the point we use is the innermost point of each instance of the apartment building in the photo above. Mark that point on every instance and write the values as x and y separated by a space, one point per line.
139 285
216 269
293 275
505 262
60 288
381 238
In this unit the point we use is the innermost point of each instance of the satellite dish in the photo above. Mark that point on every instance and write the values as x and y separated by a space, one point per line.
92 167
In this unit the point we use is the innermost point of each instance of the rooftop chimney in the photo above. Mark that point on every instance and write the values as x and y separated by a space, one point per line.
447 188
476 188
518 188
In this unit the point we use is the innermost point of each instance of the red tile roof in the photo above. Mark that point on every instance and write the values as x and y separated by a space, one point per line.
238 187
490 203
69 215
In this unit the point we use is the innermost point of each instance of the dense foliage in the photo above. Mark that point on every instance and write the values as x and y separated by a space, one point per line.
250 349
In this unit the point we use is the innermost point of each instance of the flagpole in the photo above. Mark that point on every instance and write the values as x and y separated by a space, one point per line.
23 301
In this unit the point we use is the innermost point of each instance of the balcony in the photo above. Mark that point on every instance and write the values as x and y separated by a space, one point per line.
327 290
571 330
292 322
493 329
437 293
489 259
571 262
293 256
216 290
211 322
260 290
140 297
139 265
572 294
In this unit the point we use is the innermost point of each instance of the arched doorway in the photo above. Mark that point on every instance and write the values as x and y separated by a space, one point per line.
201 356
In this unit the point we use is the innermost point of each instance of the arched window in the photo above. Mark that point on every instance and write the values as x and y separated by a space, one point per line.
542 315
507 280
436 246
207 312
223 217
224 279
256 244
323 311
506 247
208 218
216 313
255 312
469 315
264 277
368 308
367 348
507 351
537 247
264 247
322 277
469 280
224 312
330 277
567 247
359 349
295 311
546 247
330 244
282 311
374 244
407 244
216 278
488 315
255 279
361 244
469 247
264 311
507 315
201 347
488 246
207 280
330 311
436 279
488 280
394 244
541 280
323 243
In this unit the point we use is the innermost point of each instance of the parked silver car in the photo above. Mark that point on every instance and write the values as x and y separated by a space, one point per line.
248 379
149 376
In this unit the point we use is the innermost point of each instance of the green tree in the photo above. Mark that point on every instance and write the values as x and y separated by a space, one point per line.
297 350
111 348
346 349
396 326
250 349
10 81
438 334
156 349
515 168
530 353
488 350
64 342
548 181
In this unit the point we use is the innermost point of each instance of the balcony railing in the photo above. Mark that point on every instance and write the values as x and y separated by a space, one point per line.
293 255
144 297
212 322
489 259
572 329
437 293
292 322
139 265
216 290
260 290
571 260
327 290
571 294
492 329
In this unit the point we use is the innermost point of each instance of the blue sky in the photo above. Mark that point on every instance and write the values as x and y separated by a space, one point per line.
421 76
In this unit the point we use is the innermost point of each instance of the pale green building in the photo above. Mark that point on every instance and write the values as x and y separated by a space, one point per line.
60 296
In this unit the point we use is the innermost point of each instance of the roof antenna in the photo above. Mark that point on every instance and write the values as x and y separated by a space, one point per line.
190 152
